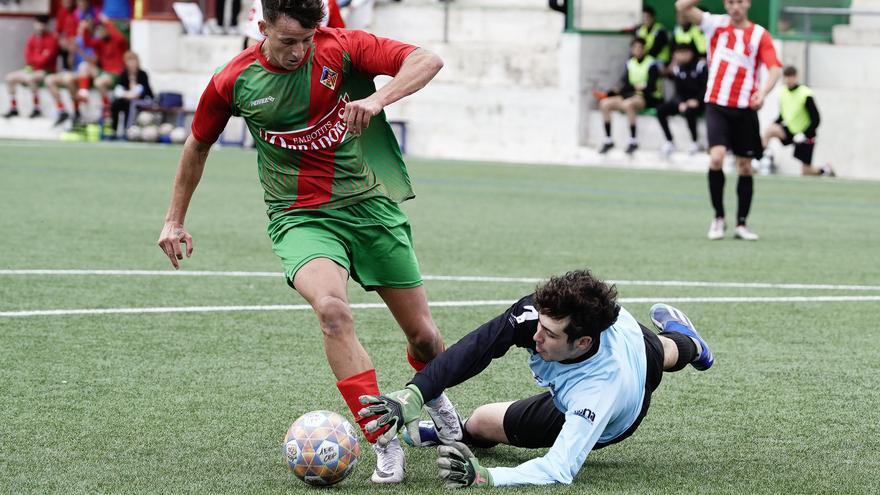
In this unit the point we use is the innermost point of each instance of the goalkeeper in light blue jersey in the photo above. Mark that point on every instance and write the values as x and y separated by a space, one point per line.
600 366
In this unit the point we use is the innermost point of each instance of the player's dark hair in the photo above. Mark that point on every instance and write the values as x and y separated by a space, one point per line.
647 9
640 41
308 13
590 302
789 71
42 19
684 46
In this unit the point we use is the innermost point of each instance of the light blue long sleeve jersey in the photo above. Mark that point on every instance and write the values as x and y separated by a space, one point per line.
601 397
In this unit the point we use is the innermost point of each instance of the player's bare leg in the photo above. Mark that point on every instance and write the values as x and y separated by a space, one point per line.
13 79
33 81
486 425
103 84
607 106
410 309
716 191
632 106
323 284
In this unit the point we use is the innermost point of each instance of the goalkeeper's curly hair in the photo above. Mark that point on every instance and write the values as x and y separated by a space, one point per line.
590 302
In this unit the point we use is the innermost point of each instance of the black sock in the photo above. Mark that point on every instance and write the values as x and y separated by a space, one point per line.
716 191
608 129
468 439
744 189
687 349
632 132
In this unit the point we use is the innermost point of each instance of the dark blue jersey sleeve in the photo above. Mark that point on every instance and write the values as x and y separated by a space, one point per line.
473 353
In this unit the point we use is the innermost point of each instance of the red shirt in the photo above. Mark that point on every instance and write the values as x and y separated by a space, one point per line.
734 55
110 49
40 51
367 53
65 23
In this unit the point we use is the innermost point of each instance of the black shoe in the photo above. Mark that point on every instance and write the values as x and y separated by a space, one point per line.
605 147
36 113
13 112
62 118
633 146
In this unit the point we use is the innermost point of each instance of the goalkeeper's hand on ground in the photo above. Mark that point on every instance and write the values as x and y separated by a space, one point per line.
459 468
394 411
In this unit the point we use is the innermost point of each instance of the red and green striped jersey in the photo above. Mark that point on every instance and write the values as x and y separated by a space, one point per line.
306 157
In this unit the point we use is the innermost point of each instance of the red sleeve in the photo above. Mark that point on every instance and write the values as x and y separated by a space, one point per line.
375 55
334 17
43 59
115 33
30 51
211 115
767 52
91 42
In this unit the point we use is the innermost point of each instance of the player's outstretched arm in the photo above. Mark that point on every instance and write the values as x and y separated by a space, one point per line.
418 68
189 172
690 10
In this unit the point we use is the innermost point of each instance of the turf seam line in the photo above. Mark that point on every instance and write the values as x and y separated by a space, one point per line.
436 304
445 278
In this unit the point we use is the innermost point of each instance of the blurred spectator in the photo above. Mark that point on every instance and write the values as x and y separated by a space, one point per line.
639 88
689 74
797 124
229 25
119 13
110 46
332 18
40 54
65 28
655 35
67 79
687 33
133 84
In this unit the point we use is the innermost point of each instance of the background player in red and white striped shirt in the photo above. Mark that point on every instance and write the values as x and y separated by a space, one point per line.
737 48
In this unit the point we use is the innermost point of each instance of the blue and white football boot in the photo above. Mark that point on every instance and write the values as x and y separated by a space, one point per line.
427 435
669 319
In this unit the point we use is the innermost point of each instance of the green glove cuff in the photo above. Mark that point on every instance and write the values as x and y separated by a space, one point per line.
482 476
411 402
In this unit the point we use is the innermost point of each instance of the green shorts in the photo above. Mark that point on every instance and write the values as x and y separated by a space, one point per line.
372 240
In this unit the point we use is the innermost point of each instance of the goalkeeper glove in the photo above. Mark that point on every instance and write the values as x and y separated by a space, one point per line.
460 469
395 410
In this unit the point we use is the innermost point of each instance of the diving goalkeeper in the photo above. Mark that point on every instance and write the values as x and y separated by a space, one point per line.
600 366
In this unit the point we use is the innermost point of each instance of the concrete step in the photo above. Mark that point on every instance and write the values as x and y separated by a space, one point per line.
25 128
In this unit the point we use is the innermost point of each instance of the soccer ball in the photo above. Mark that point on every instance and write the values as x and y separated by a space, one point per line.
146 118
178 135
165 130
321 448
133 133
150 133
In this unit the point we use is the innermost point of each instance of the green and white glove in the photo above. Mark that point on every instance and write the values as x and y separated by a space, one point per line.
394 410
459 468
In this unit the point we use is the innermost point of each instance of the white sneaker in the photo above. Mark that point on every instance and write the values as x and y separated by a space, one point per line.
667 149
446 419
716 229
743 232
390 463
696 148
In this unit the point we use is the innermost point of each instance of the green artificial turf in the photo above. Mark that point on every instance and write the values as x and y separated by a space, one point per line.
199 402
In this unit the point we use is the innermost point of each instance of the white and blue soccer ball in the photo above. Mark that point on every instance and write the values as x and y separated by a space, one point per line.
321 448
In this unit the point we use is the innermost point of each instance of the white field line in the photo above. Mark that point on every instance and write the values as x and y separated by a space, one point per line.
436 304
445 278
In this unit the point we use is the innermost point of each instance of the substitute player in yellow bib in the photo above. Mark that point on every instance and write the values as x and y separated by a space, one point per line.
797 124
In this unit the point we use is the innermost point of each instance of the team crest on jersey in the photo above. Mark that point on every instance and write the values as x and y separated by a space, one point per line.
328 77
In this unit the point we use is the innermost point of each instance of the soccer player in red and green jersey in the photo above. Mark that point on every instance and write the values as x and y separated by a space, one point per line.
332 175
